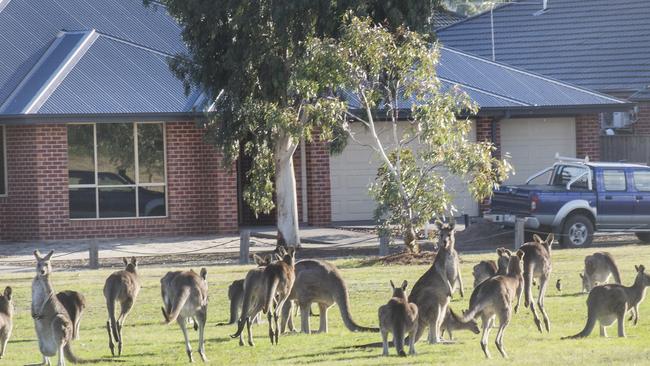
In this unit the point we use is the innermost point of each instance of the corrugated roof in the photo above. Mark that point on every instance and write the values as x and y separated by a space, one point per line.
496 86
598 44
444 17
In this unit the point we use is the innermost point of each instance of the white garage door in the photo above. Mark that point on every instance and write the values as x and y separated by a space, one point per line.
355 169
532 143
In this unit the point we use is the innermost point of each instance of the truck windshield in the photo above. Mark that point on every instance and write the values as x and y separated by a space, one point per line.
565 174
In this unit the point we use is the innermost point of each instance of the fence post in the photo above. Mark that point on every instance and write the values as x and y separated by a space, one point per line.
383 245
466 219
244 246
93 255
519 232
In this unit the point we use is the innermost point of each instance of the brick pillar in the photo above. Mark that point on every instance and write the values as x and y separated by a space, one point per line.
588 136
484 132
319 203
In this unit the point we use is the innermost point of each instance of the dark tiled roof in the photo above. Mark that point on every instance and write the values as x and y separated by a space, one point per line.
598 44
443 18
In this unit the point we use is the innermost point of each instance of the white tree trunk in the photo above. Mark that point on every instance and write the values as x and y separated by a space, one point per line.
285 190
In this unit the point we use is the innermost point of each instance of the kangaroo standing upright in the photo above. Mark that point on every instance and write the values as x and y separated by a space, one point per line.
321 282
185 295
598 268
54 328
279 277
399 317
122 286
74 303
493 299
447 237
537 264
236 290
609 303
6 319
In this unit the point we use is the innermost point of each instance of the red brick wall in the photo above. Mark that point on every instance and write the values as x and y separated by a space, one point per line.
588 136
642 124
484 133
319 202
202 195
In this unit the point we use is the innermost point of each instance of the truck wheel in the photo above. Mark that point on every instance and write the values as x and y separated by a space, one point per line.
578 232
644 237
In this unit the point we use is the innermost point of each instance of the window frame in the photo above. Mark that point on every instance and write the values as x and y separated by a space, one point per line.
4 161
636 188
96 186
619 170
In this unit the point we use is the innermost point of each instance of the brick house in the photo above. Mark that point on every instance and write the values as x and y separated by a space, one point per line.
99 140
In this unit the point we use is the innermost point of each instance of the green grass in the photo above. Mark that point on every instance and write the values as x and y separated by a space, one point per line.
147 342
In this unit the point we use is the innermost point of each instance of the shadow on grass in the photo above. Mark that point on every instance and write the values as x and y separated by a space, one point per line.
310 356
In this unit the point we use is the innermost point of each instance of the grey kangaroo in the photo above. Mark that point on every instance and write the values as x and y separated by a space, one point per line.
74 303
537 264
6 319
236 290
489 268
493 299
399 317
320 282
609 303
598 268
123 287
453 323
54 328
446 236
185 295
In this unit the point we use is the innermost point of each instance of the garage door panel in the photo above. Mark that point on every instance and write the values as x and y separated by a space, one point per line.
353 171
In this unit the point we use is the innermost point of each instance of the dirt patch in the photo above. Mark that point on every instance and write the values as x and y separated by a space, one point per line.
403 258
484 235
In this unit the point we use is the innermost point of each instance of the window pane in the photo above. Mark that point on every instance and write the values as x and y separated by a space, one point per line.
151 156
115 153
642 180
614 180
81 154
117 202
152 201
82 203
568 173
3 188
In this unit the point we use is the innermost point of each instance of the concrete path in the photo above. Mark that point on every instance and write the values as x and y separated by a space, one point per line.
18 256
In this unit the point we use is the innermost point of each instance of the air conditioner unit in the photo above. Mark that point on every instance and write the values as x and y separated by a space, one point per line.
618 119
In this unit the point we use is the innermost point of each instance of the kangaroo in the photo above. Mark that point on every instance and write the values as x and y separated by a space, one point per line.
398 316
74 303
53 325
185 295
537 264
6 319
320 282
236 290
489 268
431 293
452 323
122 286
446 236
265 287
609 303
493 299
598 267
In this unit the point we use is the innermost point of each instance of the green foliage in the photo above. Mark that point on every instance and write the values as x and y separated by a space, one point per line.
252 55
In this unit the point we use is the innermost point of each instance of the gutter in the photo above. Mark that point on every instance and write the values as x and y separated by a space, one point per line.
35 119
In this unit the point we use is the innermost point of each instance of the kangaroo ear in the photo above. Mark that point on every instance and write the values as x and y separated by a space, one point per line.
49 255
281 250
8 292
636 268
392 284
134 261
537 238
258 260
507 252
204 273
404 285
499 251
581 275
37 254
520 254
640 268
550 238
125 261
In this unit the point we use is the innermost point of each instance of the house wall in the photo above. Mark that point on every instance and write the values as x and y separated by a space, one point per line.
588 136
642 125
202 195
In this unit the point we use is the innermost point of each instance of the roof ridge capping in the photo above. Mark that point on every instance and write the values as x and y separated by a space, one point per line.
3 4
532 74
49 71
497 6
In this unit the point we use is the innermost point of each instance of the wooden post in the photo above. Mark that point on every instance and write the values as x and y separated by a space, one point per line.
466 219
244 246
383 246
93 255
519 232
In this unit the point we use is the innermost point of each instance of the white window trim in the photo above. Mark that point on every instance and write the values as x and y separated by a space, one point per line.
137 184
4 157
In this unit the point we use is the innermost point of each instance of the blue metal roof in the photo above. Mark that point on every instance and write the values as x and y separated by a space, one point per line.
598 44
443 17
496 86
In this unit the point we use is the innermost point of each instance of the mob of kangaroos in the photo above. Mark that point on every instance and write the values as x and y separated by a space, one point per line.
398 316
123 287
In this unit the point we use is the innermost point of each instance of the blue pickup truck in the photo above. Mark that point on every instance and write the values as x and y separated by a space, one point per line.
580 198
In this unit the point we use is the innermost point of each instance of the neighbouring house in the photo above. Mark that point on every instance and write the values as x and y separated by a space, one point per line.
99 140
443 17
602 45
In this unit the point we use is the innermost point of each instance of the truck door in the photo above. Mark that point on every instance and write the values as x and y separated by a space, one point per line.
641 185
615 201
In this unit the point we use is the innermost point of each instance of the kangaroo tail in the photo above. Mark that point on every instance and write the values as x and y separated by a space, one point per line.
236 296
591 323
271 288
69 355
470 314
613 268
240 327
343 301
177 306
110 305
398 335
528 283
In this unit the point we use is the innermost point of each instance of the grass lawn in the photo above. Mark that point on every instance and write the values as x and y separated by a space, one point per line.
147 342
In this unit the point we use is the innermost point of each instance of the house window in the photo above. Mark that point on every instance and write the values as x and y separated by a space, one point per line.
3 162
116 170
